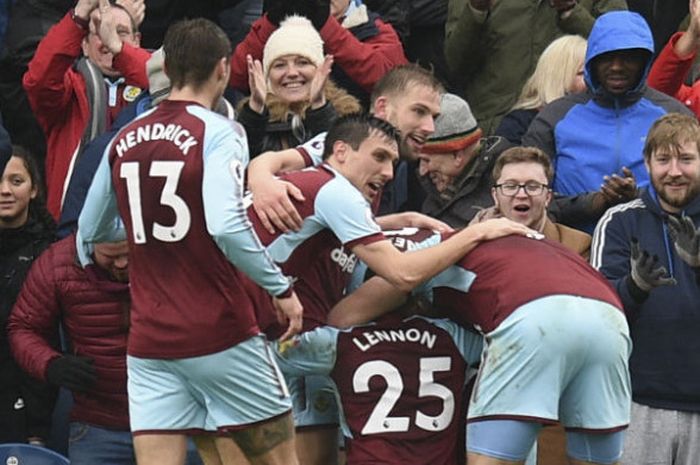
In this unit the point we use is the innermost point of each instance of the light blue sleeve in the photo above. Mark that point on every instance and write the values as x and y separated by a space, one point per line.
454 277
225 154
314 148
469 343
351 222
310 353
99 219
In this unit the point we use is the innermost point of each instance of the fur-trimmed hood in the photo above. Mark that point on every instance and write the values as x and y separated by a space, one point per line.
280 111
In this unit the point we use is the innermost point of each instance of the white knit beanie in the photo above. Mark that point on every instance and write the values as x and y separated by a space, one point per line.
295 36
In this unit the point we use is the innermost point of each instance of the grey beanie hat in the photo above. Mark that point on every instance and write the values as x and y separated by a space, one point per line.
455 128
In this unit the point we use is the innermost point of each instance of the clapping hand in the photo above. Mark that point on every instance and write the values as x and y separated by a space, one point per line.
136 8
645 269
686 239
619 189
317 91
257 85
106 27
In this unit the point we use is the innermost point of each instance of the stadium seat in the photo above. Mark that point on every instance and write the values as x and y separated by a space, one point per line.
25 454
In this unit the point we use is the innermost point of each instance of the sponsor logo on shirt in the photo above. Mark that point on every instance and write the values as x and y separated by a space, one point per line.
346 261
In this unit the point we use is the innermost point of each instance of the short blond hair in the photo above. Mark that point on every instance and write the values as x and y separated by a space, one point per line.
555 71
670 131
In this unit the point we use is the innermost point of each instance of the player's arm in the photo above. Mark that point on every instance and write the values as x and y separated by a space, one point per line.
99 218
406 270
412 220
271 196
373 299
228 224
309 353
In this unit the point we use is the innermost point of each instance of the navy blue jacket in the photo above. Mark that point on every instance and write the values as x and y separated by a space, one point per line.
594 134
86 166
665 322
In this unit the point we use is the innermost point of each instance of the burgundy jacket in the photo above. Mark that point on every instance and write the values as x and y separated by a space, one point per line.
94 312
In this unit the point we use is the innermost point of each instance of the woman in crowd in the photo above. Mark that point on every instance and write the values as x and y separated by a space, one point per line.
291 99
559 72
26 229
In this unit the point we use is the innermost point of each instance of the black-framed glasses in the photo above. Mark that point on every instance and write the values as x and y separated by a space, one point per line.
531 188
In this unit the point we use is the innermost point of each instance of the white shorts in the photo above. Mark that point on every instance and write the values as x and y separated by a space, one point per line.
227 390
558 358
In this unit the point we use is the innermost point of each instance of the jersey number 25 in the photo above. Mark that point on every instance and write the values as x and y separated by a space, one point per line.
380 420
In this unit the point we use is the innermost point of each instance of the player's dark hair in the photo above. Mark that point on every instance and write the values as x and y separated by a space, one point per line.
355 128
192 49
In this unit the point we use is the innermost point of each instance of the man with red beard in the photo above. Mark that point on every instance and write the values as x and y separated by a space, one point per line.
633 246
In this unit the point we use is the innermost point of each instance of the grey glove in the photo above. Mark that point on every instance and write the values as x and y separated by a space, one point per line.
646 272
686 239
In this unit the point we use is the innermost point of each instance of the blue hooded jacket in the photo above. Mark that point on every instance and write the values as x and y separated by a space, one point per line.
594 134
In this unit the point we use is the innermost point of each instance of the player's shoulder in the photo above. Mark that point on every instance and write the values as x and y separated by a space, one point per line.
214 122
339 188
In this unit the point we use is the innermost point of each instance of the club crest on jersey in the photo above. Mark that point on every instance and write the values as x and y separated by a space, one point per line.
130 93
345 260
236 170
322 402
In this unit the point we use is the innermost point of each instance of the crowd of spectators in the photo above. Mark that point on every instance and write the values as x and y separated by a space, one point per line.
574 119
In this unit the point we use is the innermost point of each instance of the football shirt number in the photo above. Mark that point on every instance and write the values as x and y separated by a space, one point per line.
380 420
170 170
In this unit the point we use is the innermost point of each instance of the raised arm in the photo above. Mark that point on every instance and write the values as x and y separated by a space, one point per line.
406 270
464 34
365 62
671 67
49 88
373 299
579 18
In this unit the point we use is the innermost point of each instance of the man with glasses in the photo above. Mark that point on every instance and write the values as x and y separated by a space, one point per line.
522 193
597 136
522 178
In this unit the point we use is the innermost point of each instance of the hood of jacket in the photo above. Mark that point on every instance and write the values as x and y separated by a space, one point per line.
618 30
